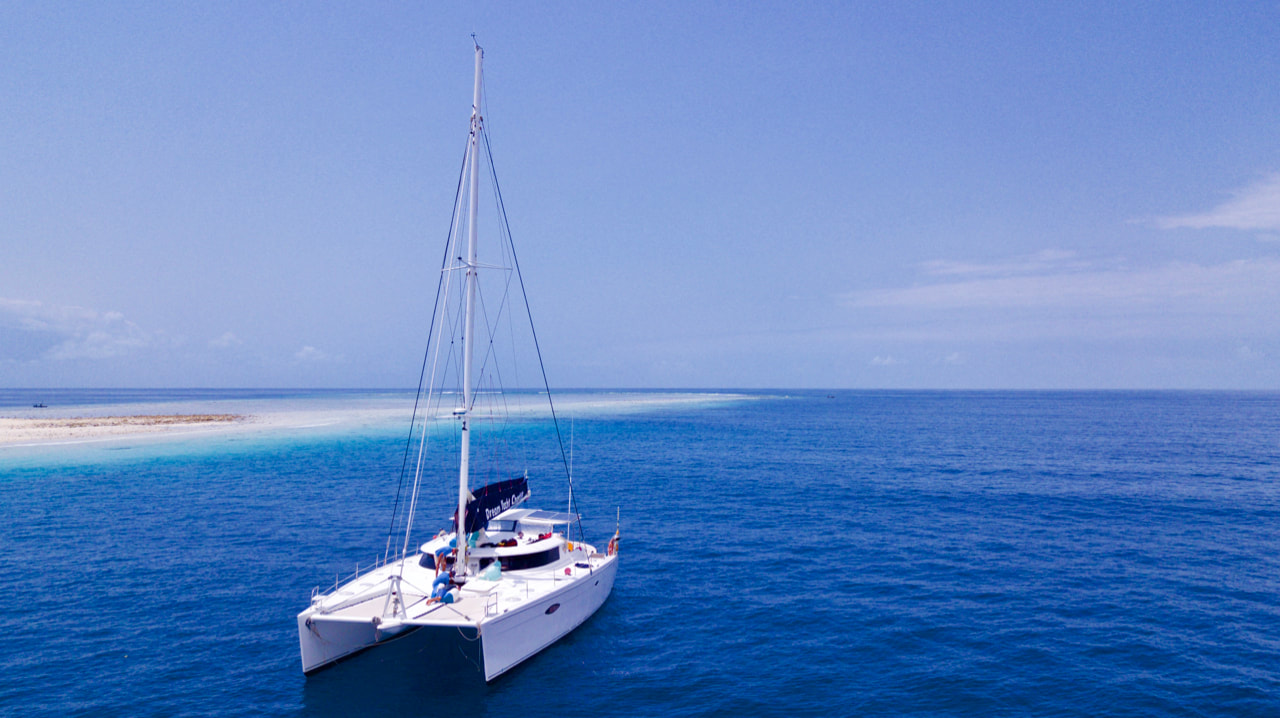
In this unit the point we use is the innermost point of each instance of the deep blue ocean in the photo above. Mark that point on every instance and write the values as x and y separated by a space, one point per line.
787 553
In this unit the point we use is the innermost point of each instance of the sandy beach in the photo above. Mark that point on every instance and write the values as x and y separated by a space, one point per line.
52 430
78 424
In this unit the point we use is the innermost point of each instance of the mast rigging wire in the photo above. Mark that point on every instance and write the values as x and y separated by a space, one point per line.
422 373
508 244
502 209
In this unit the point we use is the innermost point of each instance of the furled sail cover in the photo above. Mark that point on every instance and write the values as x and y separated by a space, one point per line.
493 500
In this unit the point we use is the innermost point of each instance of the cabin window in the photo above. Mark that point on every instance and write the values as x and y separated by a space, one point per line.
496 527
531 560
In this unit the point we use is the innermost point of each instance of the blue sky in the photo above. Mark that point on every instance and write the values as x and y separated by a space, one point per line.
864 195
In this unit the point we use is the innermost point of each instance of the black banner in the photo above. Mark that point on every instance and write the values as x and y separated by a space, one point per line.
493 500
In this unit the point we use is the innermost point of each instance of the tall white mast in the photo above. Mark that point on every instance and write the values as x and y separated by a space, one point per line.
473 153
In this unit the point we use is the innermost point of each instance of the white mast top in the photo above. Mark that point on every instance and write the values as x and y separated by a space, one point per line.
473 152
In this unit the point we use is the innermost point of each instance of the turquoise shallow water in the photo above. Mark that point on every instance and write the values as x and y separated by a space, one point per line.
845 553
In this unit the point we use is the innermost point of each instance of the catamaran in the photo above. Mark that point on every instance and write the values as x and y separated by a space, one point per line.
492 589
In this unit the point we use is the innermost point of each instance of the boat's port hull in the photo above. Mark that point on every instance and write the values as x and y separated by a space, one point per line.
511 637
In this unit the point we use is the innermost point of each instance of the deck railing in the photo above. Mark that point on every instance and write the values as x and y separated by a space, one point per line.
340 580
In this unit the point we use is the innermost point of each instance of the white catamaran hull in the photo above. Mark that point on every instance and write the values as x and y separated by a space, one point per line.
512 637
507 635
327 641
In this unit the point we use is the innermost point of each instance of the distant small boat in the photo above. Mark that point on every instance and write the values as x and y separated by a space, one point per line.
39 406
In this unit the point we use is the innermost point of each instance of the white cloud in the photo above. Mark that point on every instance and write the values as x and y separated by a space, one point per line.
226 341
1081 302
1256 207
310 354
883 361
70 332
1049 260
1247 353
1125 288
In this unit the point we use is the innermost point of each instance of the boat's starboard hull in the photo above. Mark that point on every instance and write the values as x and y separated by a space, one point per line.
428 651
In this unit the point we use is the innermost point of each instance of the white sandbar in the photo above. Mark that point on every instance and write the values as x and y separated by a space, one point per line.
79 428
40 426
